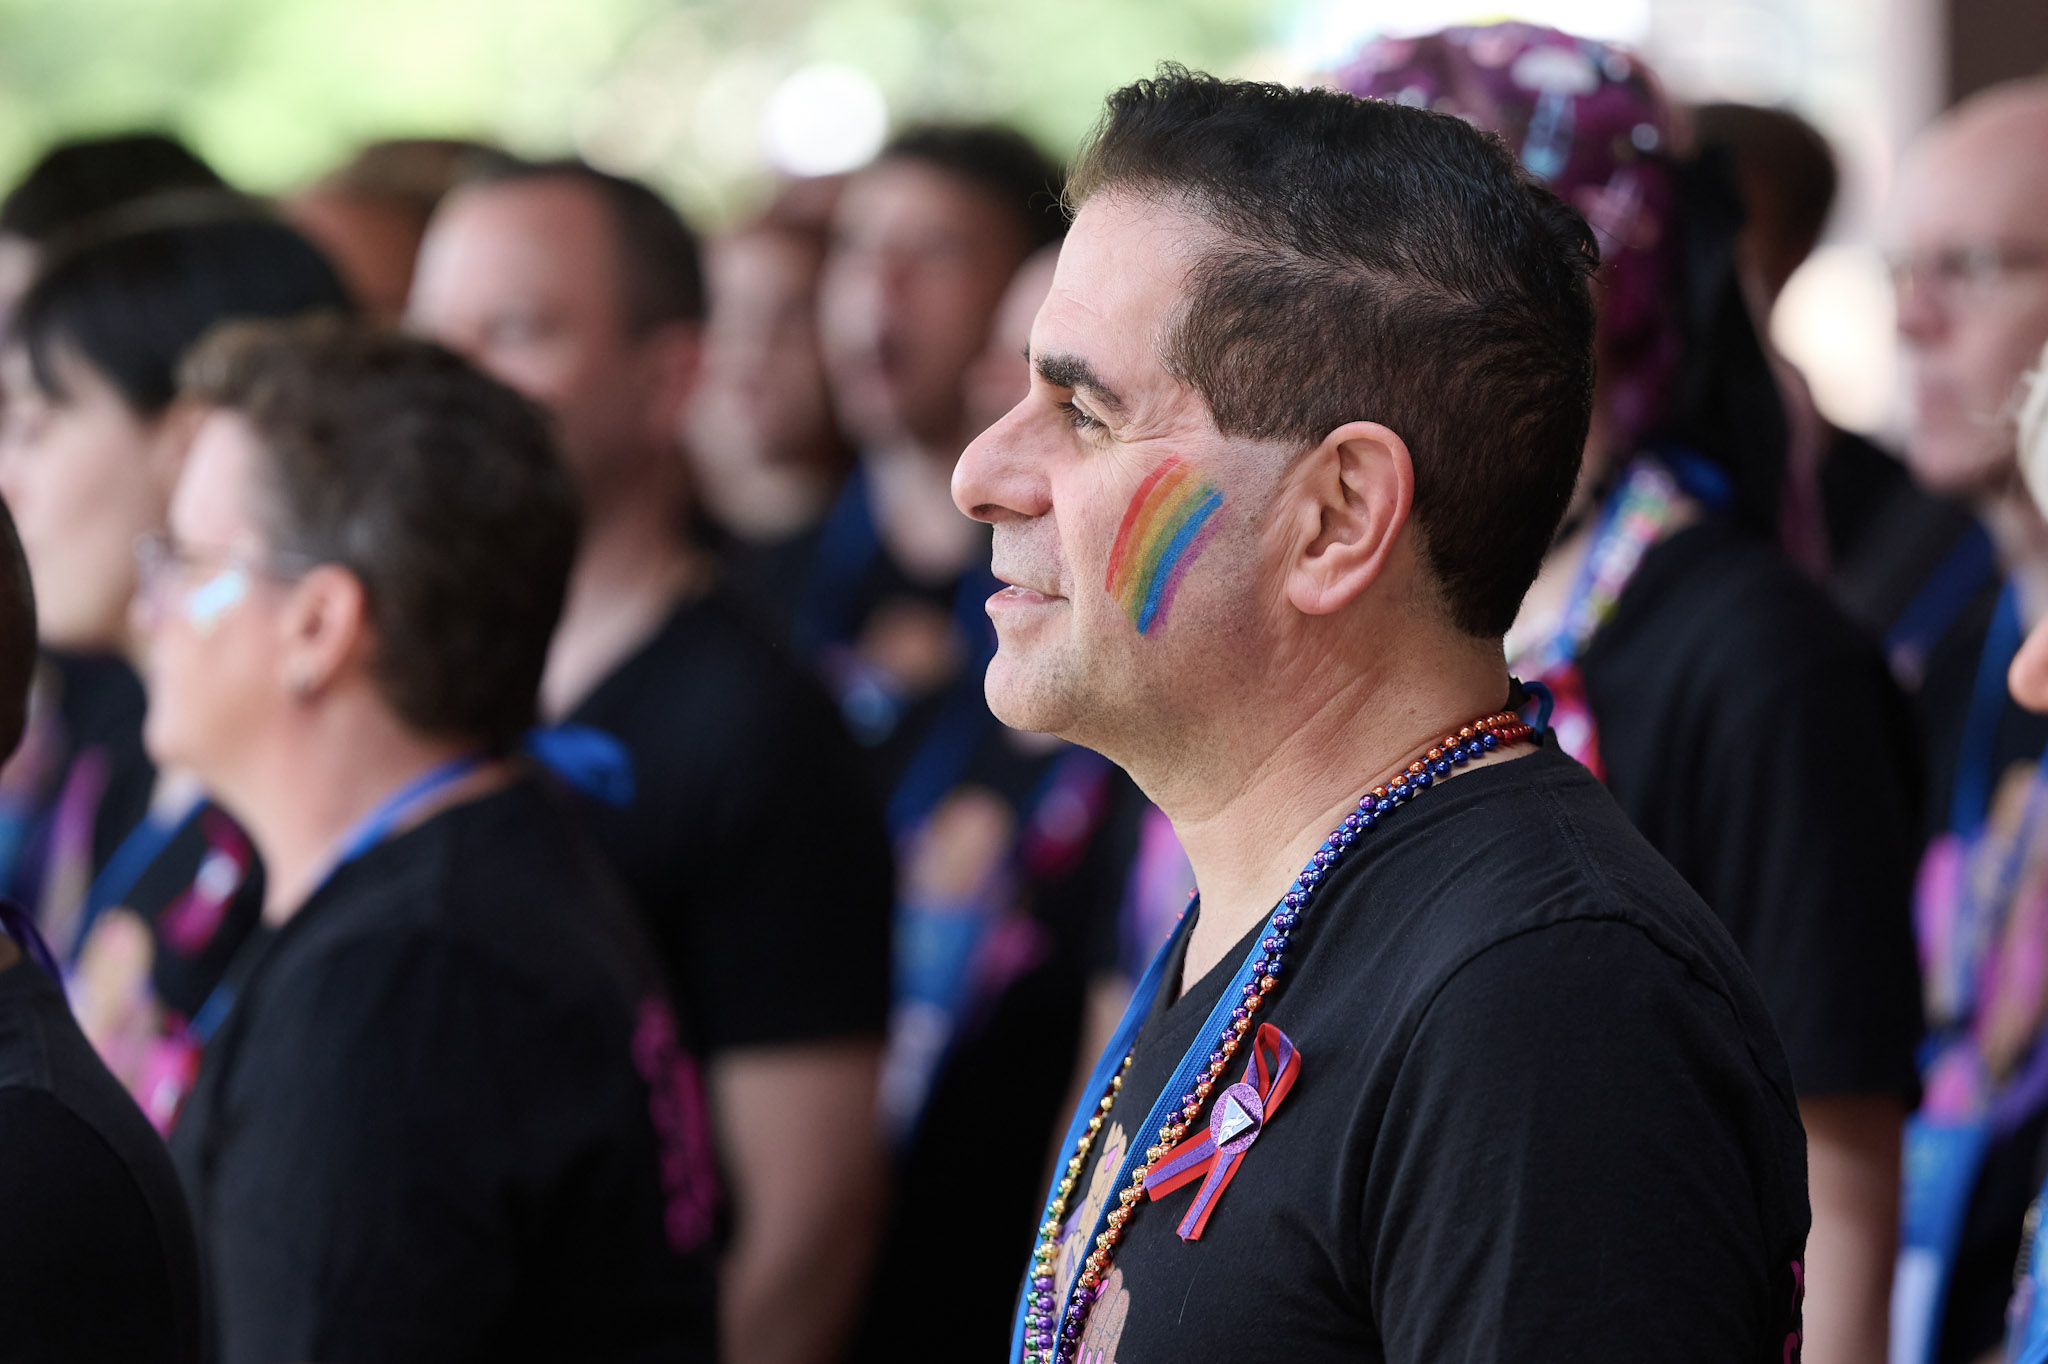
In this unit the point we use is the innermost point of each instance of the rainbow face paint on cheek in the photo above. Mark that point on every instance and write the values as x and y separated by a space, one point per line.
207 603
1167 525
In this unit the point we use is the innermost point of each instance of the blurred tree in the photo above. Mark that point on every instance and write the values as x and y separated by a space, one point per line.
275 91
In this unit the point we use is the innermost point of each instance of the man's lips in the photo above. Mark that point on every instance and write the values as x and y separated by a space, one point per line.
1022 594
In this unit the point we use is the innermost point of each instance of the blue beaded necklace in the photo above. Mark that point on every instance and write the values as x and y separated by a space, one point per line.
1049 1332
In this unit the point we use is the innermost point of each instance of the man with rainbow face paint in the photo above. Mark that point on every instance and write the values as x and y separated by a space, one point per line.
1444 1056
1747 728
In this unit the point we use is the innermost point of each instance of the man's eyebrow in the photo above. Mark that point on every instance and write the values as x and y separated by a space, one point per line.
1071 371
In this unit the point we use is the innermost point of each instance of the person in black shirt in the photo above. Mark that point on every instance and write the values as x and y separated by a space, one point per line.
1696 669
765 448
1255 556
448 1114
97 1259
144 888
749 827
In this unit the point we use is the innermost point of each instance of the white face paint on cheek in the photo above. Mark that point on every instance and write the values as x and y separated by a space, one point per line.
208 604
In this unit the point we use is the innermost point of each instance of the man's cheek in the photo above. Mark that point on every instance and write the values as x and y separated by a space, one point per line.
1170 520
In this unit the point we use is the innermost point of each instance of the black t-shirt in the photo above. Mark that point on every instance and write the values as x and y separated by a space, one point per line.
1865 492
448 1117
771 578
753 843
1540 1114
1754 736
96 1253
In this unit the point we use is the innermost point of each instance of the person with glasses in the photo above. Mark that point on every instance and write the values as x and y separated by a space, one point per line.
448 1114
143 887
1969 249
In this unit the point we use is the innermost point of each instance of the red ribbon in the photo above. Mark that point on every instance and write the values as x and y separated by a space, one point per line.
1238 1116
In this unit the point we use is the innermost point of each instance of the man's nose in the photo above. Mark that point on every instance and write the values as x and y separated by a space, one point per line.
1921 315
1000 476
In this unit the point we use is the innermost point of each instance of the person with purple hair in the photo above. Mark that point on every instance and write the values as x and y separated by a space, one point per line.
1749 731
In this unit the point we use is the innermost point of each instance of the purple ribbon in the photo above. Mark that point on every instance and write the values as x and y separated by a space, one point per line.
1235 1122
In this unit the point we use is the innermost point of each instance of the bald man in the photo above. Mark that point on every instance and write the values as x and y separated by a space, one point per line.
1969 242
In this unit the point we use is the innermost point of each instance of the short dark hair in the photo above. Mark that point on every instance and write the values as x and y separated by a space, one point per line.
438 487
661 265
1001 163
1378 263
131 305
73 181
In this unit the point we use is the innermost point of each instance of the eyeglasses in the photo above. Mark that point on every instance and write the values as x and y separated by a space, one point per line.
218 575
1959 274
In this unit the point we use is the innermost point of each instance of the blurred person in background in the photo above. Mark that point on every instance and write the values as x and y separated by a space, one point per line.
1002 372
369 213
75 182
143 886
1006 856
767 456
1849 504
97 1260
1969 242
746 831
1745 726
448 1115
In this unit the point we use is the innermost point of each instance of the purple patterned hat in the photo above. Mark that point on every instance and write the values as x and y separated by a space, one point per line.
1592 122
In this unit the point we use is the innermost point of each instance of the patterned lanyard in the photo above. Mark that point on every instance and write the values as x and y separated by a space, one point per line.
1645 506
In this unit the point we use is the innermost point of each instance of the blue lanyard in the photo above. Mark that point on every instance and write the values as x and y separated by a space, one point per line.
1196 1060
847 544
376 826
1949 589
1970 797
367 832
957 731
131 861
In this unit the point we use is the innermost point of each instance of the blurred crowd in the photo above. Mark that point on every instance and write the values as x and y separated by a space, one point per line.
506 790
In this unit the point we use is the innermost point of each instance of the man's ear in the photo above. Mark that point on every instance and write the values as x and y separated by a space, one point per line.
673 354
325 624
1350 499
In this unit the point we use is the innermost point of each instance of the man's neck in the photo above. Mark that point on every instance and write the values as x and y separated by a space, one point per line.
633 569
316 789
910 492
1249 820
9 953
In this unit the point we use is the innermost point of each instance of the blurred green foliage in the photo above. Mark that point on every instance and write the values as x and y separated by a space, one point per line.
275 91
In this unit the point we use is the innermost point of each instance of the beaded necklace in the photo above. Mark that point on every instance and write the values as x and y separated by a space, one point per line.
1052 1335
